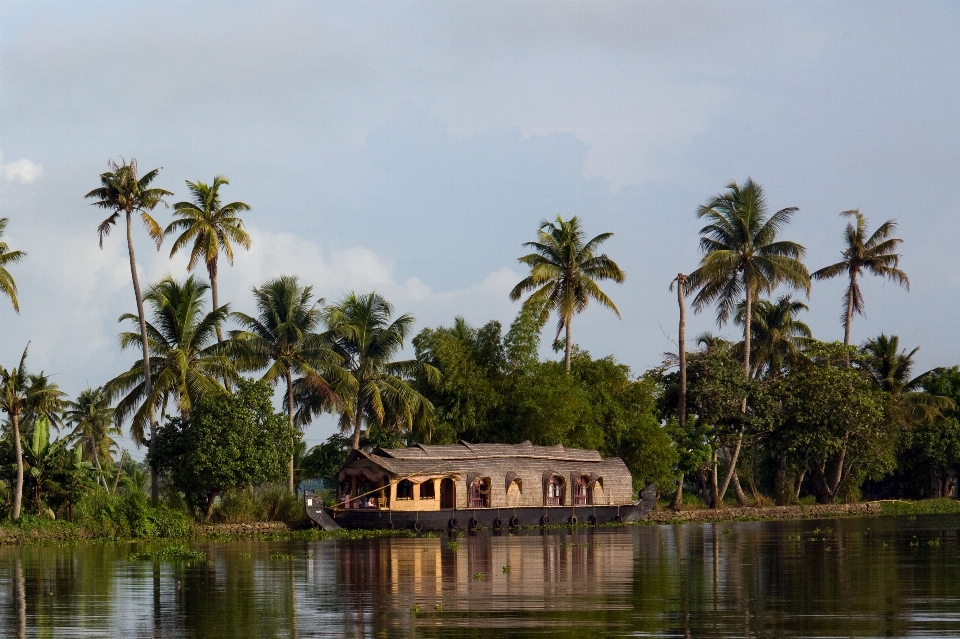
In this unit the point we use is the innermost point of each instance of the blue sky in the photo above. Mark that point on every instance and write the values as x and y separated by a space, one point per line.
412 147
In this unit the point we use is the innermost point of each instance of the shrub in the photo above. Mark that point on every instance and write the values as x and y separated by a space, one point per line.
280 505
238 507
267 503
128 516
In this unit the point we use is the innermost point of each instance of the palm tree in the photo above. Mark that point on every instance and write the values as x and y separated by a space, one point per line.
121 191
743 259
891 368
777 337
374 388
681 281
564 271
283 339
707 341
7 286
93 423
186 361
211 227
876 255
23 394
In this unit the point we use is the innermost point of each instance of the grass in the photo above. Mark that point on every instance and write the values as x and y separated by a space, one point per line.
125 523
942 506
169 553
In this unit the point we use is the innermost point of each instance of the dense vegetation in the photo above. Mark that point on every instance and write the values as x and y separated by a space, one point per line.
777 416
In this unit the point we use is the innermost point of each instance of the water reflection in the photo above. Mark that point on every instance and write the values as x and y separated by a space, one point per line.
867 577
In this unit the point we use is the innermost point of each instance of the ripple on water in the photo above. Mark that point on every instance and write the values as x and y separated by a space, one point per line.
886 576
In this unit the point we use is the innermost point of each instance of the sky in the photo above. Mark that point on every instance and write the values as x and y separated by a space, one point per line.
412 147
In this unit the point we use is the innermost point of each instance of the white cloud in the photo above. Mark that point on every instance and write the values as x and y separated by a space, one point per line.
338 271
23 170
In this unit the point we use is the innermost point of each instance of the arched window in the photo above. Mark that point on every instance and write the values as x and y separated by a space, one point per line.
581 491
554 491
427 490
480 493
514 488
405 489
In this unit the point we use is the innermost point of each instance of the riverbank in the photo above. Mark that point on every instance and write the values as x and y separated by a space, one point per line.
41 531
806 511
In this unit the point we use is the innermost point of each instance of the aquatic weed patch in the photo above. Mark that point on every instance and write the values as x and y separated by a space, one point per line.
312 534
168 553
941 506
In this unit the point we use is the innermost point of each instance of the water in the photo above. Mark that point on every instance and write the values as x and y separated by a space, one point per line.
878 577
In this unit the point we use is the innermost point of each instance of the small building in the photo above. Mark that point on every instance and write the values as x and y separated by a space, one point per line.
466 476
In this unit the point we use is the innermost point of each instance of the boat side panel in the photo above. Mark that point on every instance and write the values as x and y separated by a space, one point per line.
485 517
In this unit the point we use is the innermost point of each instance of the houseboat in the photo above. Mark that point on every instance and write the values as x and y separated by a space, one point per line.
473 486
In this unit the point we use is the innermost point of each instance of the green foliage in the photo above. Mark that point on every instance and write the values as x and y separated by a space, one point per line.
210 227
742 253
267 503
467 394
168 553
325 460
128 516
230 441
835 421
8 286
942 506
564 270
375 388
186 362
875 254
691 442
495 389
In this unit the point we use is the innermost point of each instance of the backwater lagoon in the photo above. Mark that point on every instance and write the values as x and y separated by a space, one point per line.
858 577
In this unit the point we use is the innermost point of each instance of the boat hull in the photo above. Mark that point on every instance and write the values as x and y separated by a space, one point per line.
478 518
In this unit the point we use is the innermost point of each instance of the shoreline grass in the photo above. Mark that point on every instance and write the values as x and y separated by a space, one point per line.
36 531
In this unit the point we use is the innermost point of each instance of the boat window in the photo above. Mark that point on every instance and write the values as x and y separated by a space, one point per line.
581 492
555 490
405 489
480 493
427 490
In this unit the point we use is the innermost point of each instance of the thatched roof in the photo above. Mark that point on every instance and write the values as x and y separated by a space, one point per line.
466 450
470 461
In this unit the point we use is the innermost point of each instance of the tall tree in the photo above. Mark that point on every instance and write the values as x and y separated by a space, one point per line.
876 255
230 441
7 285
122 191
210 227
375 388
564 271
22 394
777 336
92 419
891 368
743 259
283 338
186 361
681 281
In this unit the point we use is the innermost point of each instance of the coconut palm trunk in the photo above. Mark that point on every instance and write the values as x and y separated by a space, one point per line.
850 308
116 478
289 376
741 253
147 379
96 462
732 467
682 404
18 451
215 293
566 359
357 425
